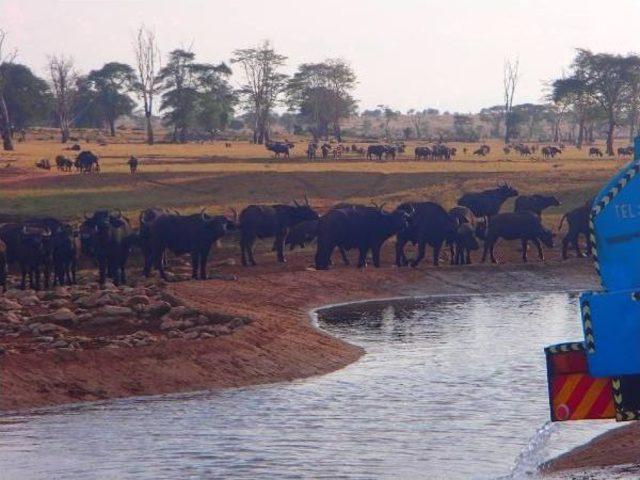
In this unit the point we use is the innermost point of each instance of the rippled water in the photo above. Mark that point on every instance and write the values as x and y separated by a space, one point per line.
450 388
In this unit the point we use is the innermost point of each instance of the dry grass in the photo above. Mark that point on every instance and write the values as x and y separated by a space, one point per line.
211 175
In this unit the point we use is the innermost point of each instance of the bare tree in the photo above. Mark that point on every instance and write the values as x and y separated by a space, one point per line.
5 120
263 85
63 81
148 61
510 81
419 122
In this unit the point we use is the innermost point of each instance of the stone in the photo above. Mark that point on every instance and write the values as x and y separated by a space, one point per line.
191 335
159 309
98 322
59 303
6 304
64 317
59 344
114 310
43 339
137 300
30 301
40 328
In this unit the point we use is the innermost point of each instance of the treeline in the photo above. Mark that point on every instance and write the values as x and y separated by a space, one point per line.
195 99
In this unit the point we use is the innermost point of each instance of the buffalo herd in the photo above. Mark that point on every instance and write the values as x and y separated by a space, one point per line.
47 250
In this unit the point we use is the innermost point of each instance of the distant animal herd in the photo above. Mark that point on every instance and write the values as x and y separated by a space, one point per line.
47 250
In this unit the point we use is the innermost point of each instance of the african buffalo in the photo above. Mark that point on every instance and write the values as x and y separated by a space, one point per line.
34 255
279 148
464 241
525 226
376 150
65 253
595 152
535 203
361 227
266 221
87 162
487 202
193 234
578 221
302 234
429 224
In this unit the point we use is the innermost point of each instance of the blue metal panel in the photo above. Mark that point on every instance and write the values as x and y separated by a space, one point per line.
611 323
616 225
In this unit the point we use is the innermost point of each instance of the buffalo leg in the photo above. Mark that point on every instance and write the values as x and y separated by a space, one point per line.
23 281
203 265
436 254
250 253
36 274
195 265
362 258
525 246
157 258
453 254
243 251
375 253
343 253
492 251
565 246
323 257
468 256
401 258
536 242
422 246
279 244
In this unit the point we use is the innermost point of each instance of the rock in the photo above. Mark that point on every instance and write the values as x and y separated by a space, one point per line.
179 312
202 320
40 328
59 303
43 339
29 301
83 317
64 317
12 318
59 344
191 335
98 322
2 351
137 300
114 310
159 309
6 304
222 276
175 334
205 335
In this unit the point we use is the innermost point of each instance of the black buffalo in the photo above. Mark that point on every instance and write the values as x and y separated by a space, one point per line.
10 233
106 237
578 221
34 255
279 148
422 153
535 203
192 234
3 266
133 164
487 202
376 150
146 220
65 253
430 224
87 162
525 226
302 234
595 152
267 221
464 241
362 227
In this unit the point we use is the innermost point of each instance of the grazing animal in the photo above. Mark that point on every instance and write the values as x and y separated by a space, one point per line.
325 149
64 163
487 202
312 148
506 150
266 221
625 151
34 255
362 227
480 152
3 266
106 237
525 226
429 224
133 164
279 148
43 164
302 234
535 203
464 241
376 150
390 152
550 152
146 220
193 234
422 153
595 152
87 162
578 221
75 147
65 253
461 216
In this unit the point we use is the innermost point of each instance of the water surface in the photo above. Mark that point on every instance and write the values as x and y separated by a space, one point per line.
449 388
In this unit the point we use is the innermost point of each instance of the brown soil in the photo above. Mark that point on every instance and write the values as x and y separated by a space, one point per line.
279 343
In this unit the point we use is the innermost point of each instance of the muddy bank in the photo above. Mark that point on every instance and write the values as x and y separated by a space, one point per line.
277 344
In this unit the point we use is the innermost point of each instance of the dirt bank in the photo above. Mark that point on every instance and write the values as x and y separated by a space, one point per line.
278 344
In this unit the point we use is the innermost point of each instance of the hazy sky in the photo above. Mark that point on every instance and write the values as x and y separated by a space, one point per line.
446 54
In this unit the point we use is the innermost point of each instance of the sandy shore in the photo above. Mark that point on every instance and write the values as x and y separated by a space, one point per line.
279 344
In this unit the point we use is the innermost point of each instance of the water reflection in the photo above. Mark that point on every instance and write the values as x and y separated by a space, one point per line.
449 388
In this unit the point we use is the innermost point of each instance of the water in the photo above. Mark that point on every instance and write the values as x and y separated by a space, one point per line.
450 388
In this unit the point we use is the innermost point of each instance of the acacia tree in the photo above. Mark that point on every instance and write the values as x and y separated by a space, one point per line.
607 79
632 100
494 116
574 91
6 58
510 82
63 79
263 84
148 60
27 96
321 92
109 86
419 122
195 94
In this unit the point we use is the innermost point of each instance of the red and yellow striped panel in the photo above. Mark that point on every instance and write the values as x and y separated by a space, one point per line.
578 396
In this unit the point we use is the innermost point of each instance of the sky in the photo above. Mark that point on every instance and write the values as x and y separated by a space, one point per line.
446 54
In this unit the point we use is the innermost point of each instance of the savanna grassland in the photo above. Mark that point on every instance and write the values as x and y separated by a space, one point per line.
210 175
